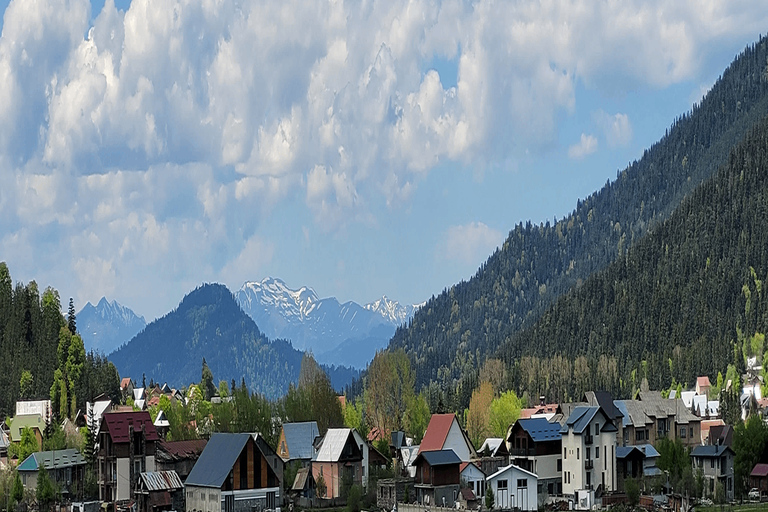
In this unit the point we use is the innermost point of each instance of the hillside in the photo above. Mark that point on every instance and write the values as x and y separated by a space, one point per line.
675 300
208 323
457 330
107 325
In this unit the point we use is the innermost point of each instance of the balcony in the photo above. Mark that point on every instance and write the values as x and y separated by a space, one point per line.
522 452
589 464
588 440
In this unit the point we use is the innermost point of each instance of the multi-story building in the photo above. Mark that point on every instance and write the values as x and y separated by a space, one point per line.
589 451
126 448
535 445
716 463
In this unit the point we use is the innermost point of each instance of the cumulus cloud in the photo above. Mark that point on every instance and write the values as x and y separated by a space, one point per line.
163 134
586 146
470 243
617 128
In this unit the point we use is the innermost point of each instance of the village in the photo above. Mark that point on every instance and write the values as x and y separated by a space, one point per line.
594 453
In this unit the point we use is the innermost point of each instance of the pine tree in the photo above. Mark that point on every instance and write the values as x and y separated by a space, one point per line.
71 320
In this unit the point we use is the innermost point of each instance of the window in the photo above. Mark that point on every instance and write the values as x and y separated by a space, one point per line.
565 453
712 463
501 484
559 465
597 452
588 453
690 431
597 428
682 432
640 435
577 454
271 500
522 483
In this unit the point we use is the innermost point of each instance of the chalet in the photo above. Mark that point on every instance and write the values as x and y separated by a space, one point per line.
159 490
716 462
535 445
64 467
339 457
232 475
589 451
758 478
514 488
127 447
437 478
636 462
296 442
18 423
445 433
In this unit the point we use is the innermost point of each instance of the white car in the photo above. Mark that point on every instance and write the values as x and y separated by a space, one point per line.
754 494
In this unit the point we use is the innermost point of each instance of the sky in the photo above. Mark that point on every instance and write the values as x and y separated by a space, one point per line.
361 148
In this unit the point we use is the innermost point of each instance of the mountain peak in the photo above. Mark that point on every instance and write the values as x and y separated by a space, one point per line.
107 325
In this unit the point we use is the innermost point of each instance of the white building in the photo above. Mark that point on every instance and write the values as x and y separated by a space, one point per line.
514 487
589 451
473 478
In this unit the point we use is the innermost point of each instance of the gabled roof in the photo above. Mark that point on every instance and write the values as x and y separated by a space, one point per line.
125 382
760 470
540 429
604 400
579 419
495 445
299 438
161 420
465 465
437 432
333 444
161 480
702 382
303 476
507 468
118 423
217 460
52 460
646 451
21 421
709 450
439 458
180 450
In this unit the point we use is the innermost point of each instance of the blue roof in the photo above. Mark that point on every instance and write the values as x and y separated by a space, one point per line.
708 450
579 419
440 457
217 460
300 438
540 429
622 407
649 450
52 460
651 471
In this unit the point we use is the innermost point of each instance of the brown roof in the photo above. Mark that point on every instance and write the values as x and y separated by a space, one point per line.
118 423
125 382
181 450
759 470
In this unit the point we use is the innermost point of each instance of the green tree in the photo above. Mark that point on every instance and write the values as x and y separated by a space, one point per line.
478 413
504 411
71 320
26 385
47 492
388 388
320 487
632 488
27 445
17 491
750 441
489 501
206 382
353 416
417 417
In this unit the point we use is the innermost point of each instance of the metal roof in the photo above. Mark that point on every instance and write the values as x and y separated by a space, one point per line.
217 460
299 438
540 429
511 467
709 450
759 470
300 482
333 444
54 459
437 432
180 450
161 480
439 457
118 423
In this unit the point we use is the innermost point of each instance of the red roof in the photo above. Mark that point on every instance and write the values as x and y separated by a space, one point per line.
437 432
760 470
117 424
125 382
702 382
183 449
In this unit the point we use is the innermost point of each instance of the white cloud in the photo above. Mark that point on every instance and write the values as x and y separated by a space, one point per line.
161 136
470 243
617 128
251 260
586 146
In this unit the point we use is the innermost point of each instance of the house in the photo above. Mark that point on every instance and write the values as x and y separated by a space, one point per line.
494 447
95 410
716 462
18 423
232 475
721 435
758 478
514 488
589 451
706 425
127 447
303 485
64 467
178 456
535 445
339 458
438 480
274 461
702 386
162 424
159 490
408 454
296 442
472 477
630 463
41 407
652 417
445 433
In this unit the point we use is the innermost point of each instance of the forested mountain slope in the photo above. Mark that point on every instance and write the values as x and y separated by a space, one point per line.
208 323
456 331
677 300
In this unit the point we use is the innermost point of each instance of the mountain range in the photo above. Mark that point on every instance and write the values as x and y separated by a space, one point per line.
107 325
341 333
209 324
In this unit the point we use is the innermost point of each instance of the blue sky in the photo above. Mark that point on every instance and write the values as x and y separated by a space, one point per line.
358 148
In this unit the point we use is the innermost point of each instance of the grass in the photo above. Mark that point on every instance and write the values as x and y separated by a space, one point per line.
734 508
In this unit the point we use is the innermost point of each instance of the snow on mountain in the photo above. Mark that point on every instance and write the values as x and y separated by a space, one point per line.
107 325
322 325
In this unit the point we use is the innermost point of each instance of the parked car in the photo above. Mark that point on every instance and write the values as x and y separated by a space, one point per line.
754 494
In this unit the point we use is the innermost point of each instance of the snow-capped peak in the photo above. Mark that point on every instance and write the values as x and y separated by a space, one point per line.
391 310
273 292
